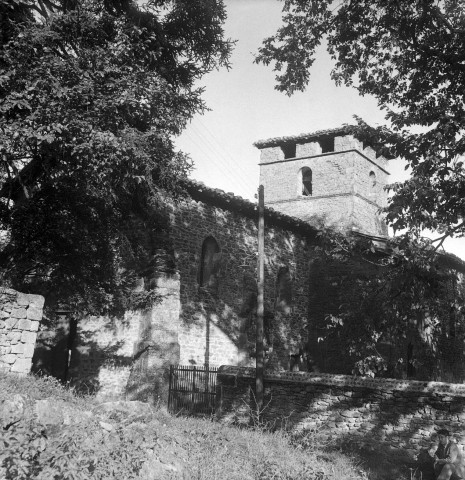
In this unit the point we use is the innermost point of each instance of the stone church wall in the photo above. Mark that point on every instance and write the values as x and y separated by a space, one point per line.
191 324
218 327
376 413
129 357
20 316
214 324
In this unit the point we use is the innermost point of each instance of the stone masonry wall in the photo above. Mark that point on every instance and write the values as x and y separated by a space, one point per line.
219 327
20 316
331 211
129 357
121 358
347 184
395 414
102 354
366 217
125 358
332 174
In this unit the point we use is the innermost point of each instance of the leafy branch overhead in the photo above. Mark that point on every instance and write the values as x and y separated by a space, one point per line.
92 93
410 55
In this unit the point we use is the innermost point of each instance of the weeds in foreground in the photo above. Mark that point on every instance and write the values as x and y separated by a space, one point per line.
157 447
35 387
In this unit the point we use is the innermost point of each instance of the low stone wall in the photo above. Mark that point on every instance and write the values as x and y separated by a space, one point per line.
20 316
378 413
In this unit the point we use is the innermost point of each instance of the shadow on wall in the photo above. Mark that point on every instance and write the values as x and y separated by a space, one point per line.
218 324
125 359
53 347
220 334
99 354
149 376
96 363
114 358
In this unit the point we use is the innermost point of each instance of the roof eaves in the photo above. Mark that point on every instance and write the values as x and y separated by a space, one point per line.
229 201
302 137
306 137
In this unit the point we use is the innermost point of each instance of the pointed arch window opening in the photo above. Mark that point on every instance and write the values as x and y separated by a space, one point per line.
209 264
284 291
307 182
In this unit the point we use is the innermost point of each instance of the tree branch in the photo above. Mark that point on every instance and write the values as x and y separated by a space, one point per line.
450 232
444 21
30 171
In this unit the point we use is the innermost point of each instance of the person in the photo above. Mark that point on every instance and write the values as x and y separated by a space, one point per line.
448 461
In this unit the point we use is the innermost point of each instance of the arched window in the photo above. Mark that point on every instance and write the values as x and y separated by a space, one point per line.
283 290
209 264
306 182
372 179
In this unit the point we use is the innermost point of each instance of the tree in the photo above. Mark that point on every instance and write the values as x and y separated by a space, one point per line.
92 93
399 312
410 55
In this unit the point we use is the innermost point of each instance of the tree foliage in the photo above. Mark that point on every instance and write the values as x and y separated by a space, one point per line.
400 310
410 55
91 94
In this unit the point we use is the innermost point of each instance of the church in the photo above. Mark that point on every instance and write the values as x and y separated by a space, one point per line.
206 277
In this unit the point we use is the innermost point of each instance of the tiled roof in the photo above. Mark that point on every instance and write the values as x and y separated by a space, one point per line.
272 142
354 130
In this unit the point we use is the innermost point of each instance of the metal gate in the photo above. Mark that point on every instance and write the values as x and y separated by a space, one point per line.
192 389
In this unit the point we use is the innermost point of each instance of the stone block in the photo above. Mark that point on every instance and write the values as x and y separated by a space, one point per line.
24 324
310 148
22 300
4 314
8 292
11 322
28 351
7 307
370 153
12 410
34 326
8 358
22 365
271 154
34 313
17 348
18 312
36 300
4 350
13 337
28 337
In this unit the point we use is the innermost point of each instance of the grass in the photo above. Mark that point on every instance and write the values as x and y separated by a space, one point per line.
110 444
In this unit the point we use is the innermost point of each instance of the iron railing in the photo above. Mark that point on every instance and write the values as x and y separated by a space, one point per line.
192 389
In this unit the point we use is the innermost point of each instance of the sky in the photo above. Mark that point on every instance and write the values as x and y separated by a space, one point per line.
245 107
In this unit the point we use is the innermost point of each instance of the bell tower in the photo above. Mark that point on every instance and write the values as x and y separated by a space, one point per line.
326 178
